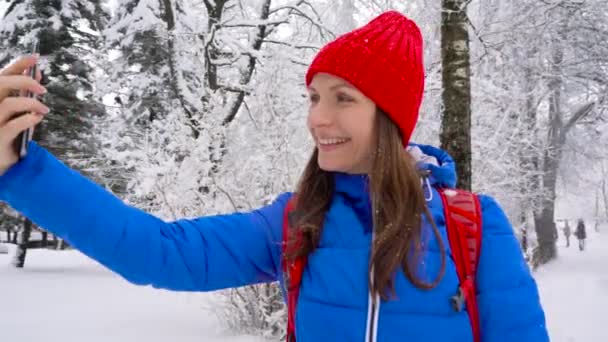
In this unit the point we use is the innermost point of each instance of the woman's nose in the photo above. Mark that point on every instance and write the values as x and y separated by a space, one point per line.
319 115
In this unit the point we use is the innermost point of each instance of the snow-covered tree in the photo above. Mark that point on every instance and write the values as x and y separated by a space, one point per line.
538 83
68 32
190 85
68 35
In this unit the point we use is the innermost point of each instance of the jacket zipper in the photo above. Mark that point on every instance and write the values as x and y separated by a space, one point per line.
373 324
373 304
373 311
373 314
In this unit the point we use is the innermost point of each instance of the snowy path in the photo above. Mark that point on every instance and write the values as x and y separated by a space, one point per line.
66 297
574 292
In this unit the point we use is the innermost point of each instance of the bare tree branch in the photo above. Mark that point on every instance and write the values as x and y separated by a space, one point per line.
579 114
315 22
234 88
260 23
256 45
311 47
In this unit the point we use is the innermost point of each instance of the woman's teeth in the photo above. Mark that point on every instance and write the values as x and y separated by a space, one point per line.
332 141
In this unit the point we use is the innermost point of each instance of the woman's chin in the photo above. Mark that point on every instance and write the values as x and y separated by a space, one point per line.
331 166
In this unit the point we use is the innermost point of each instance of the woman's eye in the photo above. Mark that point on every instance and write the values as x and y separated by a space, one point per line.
344 98
314 98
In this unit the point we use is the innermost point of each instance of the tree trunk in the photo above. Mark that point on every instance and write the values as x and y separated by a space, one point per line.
15 236
215 9
544 220
217 149
527 135
22 241
546 230
169 17
524 231
596 212
456 75
605 197
256 44
45 237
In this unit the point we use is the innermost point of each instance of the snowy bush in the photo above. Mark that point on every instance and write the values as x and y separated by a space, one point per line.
255 310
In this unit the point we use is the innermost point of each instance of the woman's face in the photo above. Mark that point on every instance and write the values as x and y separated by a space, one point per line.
342 123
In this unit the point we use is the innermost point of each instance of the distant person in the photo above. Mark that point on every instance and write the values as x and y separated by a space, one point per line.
567 233
581 234
555 236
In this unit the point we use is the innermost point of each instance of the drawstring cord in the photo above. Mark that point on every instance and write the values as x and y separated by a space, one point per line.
425 181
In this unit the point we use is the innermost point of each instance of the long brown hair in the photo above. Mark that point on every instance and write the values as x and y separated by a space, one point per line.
398 204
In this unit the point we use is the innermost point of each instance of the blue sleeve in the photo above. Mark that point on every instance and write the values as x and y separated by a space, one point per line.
508 300
203 254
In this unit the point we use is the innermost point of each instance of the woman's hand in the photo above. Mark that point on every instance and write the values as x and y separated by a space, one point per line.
14 80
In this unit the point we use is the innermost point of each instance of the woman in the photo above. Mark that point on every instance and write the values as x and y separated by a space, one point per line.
367 228
581 234
567 233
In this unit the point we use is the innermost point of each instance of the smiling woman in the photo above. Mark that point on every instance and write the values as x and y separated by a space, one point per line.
378 266
342 122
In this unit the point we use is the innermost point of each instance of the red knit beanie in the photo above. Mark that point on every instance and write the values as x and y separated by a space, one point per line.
382 59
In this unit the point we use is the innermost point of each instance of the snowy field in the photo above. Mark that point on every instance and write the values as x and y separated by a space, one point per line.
64 296
574 291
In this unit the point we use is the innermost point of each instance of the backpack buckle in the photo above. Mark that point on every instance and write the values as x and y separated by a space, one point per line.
458 300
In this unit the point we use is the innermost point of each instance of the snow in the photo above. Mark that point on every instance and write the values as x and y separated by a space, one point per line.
64 296
3 7
70 298
574 290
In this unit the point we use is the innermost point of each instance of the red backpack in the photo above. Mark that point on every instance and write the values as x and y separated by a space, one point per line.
463 222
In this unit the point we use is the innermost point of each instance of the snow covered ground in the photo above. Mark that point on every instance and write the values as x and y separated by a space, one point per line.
574 291
64 296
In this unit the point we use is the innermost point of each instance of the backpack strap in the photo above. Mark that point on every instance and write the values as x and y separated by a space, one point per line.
292 271
463 223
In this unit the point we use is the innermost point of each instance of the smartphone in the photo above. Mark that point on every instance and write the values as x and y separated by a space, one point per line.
25 137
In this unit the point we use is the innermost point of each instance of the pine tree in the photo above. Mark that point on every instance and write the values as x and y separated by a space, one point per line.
68 35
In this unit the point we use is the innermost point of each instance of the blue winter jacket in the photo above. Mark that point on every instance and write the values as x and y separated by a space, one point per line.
216 252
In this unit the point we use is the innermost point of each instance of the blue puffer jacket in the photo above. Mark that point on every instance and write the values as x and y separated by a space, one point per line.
216 252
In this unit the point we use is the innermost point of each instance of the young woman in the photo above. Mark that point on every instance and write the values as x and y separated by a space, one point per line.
379 265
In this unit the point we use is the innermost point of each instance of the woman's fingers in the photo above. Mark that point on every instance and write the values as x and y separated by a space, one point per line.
9 132
19 66
18 113
15 105
12 78
21 82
